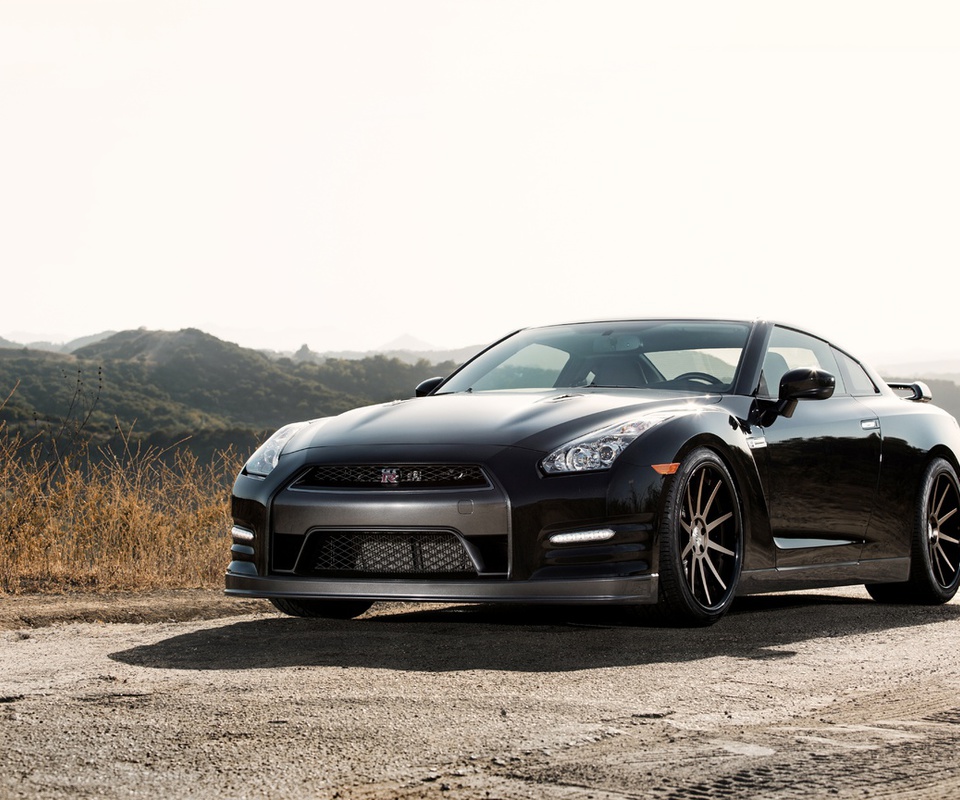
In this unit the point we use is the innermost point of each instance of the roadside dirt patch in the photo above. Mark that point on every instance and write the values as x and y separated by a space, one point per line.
171 605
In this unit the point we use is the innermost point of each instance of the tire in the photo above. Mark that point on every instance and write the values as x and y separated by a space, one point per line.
701 542
935 549
325 609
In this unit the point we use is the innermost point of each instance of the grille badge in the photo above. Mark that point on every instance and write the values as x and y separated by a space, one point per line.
393 475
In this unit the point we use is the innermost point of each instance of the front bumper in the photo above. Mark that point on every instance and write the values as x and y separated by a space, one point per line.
288 534
242 580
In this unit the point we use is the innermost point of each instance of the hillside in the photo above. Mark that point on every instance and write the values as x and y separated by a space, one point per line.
168 385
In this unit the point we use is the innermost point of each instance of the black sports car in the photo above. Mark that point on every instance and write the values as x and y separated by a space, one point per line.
666 465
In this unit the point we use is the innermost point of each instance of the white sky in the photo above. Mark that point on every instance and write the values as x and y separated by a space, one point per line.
341 173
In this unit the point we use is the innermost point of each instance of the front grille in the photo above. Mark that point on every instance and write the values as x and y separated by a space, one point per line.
357 553
393 476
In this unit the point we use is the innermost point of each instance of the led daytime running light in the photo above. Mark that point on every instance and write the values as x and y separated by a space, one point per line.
577 537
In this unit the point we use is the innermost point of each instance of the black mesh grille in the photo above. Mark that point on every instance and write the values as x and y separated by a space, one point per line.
393 476
387 553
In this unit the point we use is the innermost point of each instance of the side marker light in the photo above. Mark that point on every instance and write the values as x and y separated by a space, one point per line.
666 469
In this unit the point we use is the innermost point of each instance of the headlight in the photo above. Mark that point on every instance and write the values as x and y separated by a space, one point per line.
598 450
266 457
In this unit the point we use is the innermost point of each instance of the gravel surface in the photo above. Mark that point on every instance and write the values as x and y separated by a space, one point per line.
189 694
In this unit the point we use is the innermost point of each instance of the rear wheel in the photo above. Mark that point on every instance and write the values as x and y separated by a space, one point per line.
328 609
701 542
935 553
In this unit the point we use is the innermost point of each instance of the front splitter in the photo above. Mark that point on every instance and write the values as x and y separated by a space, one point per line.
626 591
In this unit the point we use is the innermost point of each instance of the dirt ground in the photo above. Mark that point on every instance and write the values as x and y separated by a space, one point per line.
190 694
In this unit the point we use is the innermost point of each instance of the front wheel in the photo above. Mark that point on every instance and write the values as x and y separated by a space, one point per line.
325 609
701 542
935 553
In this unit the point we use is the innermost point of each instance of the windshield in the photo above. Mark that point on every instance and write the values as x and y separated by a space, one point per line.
672 355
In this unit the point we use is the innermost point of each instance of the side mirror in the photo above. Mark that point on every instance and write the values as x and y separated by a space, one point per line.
804 384
426 387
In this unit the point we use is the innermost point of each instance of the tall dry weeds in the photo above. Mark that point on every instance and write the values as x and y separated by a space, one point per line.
144 519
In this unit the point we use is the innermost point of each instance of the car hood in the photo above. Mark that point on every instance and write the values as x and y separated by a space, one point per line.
535 419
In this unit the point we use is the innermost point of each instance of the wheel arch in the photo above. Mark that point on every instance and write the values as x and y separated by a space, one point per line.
944 452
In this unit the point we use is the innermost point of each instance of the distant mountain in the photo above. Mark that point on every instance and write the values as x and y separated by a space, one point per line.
457 356
405 342
947 369
54 347
83 341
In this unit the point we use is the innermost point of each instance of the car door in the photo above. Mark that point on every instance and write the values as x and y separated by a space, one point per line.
821 465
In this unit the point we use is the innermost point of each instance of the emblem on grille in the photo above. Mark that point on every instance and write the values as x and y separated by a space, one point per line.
394 476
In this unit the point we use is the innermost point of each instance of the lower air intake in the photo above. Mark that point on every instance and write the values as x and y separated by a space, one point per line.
358 553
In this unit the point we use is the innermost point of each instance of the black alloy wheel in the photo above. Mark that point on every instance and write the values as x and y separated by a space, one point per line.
935 554
701 541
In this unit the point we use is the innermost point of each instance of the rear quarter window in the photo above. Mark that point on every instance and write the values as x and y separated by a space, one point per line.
857 381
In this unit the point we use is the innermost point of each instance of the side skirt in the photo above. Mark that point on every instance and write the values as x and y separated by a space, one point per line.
822 576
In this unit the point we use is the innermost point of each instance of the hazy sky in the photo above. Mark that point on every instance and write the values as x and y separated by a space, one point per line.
341 173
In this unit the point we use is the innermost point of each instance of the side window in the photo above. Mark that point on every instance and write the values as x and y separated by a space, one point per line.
789 349
856 378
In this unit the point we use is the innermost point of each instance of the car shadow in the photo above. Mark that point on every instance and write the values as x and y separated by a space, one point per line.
523 638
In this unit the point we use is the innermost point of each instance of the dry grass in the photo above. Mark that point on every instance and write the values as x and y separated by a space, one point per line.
147 519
